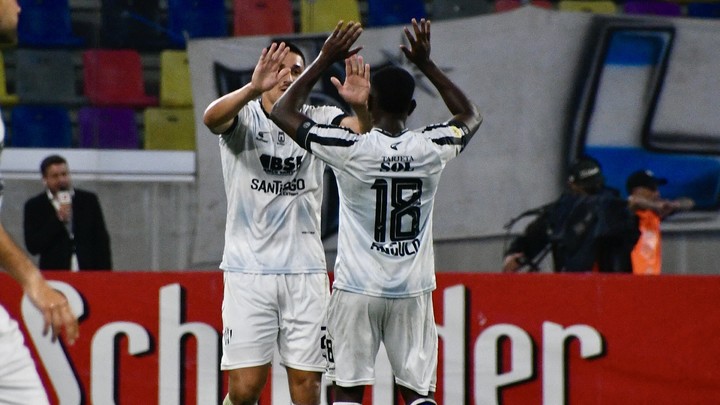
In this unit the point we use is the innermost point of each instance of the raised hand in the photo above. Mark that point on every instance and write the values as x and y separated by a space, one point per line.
356 89
419 50
267 72
337 46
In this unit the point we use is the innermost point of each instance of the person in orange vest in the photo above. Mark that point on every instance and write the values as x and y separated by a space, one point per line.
644 197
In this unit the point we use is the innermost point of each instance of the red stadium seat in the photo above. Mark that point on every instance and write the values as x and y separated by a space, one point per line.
262 17
115 78
506 5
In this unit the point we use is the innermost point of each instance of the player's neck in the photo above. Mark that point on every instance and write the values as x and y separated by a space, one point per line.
266 103
391 125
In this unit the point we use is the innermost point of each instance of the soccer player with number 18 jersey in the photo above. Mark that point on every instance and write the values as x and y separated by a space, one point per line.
387 180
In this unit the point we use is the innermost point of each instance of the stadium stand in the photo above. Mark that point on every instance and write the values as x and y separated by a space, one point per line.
48 77
63 43
6 98
107 128
36 126
169 129
262 17
47 24
115 77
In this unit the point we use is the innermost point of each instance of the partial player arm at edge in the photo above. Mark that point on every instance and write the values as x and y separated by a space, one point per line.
54 306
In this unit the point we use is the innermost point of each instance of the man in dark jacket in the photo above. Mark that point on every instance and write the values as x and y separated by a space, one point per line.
588 228
65 225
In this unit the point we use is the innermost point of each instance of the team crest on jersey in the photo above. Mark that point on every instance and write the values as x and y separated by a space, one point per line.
263 136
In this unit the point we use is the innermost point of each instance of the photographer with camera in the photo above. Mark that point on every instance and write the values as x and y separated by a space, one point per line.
589 228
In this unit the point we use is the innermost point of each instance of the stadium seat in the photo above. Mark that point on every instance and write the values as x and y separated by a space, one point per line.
323 15
115 78
46 23
450 9
661 8
262 17
169 129
132 24
36 126
394 12
6 98
196 19
107 128
507 5
175 84
48 77
703 10
542 4
590 6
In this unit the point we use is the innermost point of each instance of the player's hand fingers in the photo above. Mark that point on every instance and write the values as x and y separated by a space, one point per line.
336 82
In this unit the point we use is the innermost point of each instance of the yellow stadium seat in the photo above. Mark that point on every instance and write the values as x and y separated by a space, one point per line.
5 98
590 6
175 84
169 128
323 15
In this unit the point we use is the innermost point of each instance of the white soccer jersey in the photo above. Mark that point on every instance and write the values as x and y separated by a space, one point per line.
274 196
387 187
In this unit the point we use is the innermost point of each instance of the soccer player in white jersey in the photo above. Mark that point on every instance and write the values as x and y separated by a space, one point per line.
387 179
276 284
19 380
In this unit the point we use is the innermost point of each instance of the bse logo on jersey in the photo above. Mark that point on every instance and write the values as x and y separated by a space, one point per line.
397 164
280 166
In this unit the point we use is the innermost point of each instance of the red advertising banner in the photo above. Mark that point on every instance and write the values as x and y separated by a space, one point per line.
150 337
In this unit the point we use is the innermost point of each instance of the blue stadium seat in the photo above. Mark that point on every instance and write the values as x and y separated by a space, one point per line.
394 12
47 24
703 10
189 19
35 126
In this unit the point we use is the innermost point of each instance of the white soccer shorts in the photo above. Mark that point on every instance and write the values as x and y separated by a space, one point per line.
260 311
406 326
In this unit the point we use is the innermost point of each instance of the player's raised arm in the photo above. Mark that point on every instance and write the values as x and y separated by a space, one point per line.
457 102
219 115
285 112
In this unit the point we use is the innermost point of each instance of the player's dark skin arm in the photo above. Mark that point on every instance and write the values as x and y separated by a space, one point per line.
418 53
285 112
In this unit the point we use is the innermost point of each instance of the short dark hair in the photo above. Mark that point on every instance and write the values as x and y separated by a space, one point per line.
394 88
51 160
294 49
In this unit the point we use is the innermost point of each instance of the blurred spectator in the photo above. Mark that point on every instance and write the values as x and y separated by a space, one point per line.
588 228
644 197
65 225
